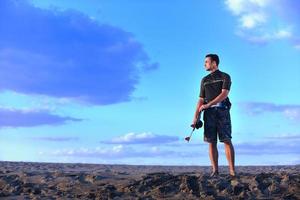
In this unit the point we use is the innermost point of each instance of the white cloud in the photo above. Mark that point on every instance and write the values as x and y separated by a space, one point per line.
239 7
274 145
279 145
297 46
263 21
251 20
292 114
265 37
283 34
141 138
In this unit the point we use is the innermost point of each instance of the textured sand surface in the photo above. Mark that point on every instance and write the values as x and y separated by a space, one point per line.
28 180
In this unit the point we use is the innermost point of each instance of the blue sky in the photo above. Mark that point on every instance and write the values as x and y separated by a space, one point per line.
118 81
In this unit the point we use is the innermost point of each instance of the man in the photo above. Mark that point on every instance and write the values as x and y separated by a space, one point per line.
215 104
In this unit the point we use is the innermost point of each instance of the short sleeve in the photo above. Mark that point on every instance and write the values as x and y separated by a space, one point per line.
226 82
202 91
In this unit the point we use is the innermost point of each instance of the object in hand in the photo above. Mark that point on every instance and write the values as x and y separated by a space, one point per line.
198 123
189 137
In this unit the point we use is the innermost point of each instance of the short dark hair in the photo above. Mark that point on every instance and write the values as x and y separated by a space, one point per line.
213 57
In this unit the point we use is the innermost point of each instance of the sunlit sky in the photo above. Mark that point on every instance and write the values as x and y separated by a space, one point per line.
118 81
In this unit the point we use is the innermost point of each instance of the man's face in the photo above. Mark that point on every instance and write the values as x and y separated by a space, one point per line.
208 64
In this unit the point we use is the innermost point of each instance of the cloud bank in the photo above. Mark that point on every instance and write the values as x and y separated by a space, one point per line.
55 138
119 151
290 111
30 117
65 54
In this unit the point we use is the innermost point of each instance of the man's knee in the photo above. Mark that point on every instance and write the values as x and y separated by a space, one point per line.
227 143
213 145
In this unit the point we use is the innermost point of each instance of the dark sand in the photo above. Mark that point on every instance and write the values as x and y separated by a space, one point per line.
29 180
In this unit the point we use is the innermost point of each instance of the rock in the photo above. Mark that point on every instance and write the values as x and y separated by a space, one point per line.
190 184
156 179
221 185
237 189
274 188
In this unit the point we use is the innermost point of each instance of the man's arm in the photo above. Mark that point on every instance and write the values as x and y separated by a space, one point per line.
199 104
218 98
200 101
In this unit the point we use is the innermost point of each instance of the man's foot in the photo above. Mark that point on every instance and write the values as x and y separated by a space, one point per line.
214 174
232 173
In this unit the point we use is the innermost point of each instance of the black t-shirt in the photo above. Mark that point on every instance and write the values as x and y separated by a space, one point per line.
212 85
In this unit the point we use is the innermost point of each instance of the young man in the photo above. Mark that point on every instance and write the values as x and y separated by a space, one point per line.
215 104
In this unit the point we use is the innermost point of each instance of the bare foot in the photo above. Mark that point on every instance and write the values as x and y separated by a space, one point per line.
214 174
232 173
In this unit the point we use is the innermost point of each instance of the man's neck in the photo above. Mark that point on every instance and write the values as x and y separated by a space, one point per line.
213 70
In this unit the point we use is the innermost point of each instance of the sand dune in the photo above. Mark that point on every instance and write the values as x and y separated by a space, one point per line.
28 180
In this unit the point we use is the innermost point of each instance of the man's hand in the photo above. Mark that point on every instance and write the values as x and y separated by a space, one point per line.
196 115
216 100
194 122
223 95
204 106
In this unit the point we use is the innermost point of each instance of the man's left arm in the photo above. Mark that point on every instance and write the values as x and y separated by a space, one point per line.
218 98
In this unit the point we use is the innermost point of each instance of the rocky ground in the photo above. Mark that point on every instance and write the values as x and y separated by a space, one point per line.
28 180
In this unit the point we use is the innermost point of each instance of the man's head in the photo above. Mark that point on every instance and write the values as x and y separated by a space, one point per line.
211 62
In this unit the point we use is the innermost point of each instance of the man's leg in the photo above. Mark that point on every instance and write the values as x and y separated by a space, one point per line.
229 151
224 131
210 136
213 155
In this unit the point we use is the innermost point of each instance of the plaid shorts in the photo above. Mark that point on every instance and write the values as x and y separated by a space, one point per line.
217 122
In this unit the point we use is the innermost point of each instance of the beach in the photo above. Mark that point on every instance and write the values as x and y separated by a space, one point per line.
33 180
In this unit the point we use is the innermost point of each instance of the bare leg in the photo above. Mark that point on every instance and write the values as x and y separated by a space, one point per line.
229 151
213 155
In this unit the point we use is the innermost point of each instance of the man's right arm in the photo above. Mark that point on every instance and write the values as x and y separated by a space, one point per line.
200 101
199 104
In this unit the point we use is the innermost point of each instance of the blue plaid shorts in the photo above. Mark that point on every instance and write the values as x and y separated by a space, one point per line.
217 123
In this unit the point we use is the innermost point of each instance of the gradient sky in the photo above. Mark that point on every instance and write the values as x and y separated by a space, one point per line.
118 81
